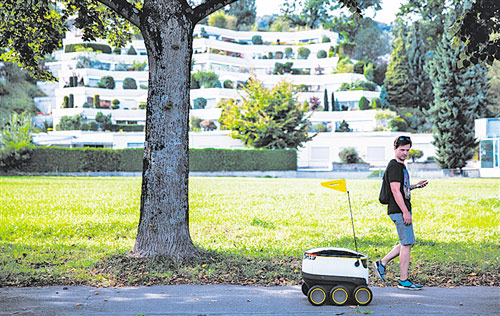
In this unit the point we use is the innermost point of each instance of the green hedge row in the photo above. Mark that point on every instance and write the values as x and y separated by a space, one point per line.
53 159
71 48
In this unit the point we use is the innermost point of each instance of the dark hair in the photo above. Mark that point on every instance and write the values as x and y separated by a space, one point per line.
402 140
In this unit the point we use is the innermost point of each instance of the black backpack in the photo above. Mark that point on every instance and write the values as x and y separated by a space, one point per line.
385 191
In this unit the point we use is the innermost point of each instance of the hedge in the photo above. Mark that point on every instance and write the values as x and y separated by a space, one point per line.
56 159
71 48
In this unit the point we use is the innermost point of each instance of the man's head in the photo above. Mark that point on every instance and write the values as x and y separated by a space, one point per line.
402 146
401 141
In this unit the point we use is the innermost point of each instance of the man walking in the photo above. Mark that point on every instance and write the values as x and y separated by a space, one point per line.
399 210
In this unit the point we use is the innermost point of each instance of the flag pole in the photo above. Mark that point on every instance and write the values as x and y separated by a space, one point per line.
352 222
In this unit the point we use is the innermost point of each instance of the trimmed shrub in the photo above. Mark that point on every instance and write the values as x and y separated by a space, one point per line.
398 125
107 82
129 83
288 52
325 39
304 52
131 51
257 40
321 54
71 48
228 84
359 67
210 159
199 103
364 104
55 159
115 104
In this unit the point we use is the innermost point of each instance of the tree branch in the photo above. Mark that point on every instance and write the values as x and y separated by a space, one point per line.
125 9
208 7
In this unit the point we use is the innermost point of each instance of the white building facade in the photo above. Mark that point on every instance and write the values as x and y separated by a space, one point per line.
231 54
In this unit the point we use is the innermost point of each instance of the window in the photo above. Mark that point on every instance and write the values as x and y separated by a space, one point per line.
135 145
375 153
320 153
486 152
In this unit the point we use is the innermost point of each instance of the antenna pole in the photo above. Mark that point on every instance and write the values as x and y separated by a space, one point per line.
352 222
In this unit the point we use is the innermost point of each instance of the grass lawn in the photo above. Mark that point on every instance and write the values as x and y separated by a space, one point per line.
78 230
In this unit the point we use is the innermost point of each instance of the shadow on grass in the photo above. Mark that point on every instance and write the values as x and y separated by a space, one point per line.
448 264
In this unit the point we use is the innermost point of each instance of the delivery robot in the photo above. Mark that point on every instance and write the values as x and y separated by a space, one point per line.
337 275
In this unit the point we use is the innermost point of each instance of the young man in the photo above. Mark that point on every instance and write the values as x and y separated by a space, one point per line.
399 210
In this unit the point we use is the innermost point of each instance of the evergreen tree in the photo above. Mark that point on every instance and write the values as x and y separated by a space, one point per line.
245 13
396 78
420 85
326 106
460 96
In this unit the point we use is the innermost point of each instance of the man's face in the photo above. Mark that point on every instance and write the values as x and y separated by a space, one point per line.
402 152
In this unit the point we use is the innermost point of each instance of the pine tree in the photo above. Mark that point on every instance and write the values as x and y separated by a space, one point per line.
245 13
396 78
460 96
419 83
326 106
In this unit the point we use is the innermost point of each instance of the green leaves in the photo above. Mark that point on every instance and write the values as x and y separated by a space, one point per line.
267 118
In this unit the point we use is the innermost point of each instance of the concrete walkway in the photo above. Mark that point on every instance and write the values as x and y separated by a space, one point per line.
238 300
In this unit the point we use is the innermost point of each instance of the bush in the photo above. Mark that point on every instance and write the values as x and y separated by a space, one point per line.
142 105
97 101
199 103
194 123
71 48
129 83
364 104
349 155
319 128
242 159
398 125
321 54
115 104
343 127
131 51
107 82
288 52
93 126
415 154
228 84
257 40
69 123
359 67
54 159
12 158
325 39
304 52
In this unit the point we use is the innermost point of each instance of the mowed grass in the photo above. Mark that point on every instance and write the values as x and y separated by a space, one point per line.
78 230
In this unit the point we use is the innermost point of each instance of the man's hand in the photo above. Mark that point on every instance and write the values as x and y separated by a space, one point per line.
407 218
422 184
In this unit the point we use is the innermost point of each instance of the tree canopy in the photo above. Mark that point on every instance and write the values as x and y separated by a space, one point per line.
267 118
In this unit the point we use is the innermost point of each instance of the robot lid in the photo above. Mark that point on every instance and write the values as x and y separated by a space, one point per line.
334 252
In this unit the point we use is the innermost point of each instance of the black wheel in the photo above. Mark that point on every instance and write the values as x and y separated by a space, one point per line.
317 295
362 295
305 289
339 295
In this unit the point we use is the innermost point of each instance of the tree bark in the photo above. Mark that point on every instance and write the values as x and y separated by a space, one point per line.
164 215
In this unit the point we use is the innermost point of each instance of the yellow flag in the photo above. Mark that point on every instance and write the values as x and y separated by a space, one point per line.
338 185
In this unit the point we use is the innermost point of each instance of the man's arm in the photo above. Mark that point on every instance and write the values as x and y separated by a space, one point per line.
398 197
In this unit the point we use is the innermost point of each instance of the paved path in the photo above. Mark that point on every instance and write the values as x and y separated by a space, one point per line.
237 300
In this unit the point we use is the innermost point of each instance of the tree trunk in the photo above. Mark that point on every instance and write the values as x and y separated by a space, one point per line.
164 215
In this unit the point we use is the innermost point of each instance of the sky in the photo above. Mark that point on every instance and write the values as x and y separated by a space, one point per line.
386 15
